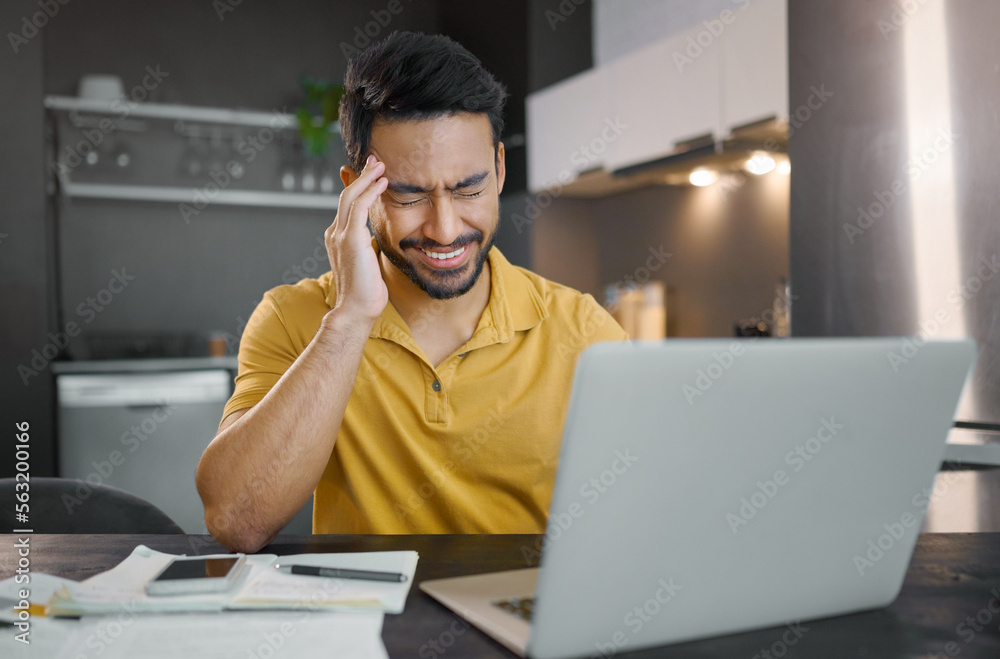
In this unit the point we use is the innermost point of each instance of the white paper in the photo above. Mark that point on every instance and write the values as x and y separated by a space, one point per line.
46 637
40 588
122 589
273 587
232 635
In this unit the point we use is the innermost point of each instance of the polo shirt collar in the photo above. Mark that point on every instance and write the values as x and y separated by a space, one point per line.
514 306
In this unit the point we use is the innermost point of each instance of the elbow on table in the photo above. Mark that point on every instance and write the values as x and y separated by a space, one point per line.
235 534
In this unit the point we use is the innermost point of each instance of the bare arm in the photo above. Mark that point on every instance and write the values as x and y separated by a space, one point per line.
265 461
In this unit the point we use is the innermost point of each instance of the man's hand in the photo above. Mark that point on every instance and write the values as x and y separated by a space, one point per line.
361 293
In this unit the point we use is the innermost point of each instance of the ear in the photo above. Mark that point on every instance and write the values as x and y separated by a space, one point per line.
501 167
348 175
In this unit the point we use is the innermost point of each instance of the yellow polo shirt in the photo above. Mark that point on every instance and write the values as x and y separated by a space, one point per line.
469 446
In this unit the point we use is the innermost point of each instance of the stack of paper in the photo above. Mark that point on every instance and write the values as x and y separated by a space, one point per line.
275 589
316 615
260 586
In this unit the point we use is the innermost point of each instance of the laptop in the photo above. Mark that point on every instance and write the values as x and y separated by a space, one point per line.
709 487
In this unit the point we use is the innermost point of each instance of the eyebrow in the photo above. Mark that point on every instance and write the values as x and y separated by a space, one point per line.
468 182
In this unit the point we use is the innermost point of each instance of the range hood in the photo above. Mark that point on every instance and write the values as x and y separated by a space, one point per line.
727 155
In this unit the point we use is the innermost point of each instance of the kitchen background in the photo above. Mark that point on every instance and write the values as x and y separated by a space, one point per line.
610 100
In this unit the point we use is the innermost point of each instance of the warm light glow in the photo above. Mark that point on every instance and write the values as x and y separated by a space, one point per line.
760 163
785 167
930 174
703 177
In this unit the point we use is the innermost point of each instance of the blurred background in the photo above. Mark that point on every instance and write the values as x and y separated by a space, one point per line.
708 168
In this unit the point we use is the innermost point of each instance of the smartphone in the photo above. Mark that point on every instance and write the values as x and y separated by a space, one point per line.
192 575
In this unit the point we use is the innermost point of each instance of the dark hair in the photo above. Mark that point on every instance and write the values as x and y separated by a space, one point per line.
411 75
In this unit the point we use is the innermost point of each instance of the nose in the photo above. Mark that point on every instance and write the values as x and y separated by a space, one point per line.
443 225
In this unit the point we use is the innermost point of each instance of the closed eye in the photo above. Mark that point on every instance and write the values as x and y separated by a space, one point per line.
400 202
465 195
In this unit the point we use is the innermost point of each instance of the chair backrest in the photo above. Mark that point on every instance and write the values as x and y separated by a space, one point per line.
65 505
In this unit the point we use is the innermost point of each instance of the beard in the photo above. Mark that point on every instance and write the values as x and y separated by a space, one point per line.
439 284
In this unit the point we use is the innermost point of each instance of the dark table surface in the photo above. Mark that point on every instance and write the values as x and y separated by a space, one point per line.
953 579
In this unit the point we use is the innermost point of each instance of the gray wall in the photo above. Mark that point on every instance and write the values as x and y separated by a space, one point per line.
727 251
559 40
25 257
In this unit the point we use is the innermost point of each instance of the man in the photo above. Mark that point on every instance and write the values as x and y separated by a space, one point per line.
421 385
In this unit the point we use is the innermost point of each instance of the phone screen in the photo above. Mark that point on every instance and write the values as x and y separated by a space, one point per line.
197 568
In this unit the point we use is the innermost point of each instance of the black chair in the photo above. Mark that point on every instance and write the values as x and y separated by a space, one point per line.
66 505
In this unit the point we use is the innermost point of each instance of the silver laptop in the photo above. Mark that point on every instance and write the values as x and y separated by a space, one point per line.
708 487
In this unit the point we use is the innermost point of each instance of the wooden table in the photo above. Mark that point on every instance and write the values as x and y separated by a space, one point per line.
951 577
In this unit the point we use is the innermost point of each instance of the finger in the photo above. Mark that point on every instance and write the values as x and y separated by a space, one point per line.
357 217
373 169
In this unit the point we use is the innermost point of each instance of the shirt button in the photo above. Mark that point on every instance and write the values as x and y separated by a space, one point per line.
436 385
462 354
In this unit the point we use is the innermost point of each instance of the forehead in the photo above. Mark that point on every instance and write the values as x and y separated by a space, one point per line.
441 149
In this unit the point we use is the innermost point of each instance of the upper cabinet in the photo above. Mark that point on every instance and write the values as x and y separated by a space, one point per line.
699 84
755 64
564 127
662 97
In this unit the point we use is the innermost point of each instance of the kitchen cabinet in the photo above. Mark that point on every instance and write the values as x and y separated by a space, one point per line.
565 123
755 64
695 86
663 96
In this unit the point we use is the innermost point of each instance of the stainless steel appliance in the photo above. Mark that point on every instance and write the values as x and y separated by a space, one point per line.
141 432
895 210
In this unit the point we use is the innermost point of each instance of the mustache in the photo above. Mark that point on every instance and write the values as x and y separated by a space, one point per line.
461 241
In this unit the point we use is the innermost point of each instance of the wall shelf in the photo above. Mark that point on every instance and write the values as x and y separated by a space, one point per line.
187 196
122 109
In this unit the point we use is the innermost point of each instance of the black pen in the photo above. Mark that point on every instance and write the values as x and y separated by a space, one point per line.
341 573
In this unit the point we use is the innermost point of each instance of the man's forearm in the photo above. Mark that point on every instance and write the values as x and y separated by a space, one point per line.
259 471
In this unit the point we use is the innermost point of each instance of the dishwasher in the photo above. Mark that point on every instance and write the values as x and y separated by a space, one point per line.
143 433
